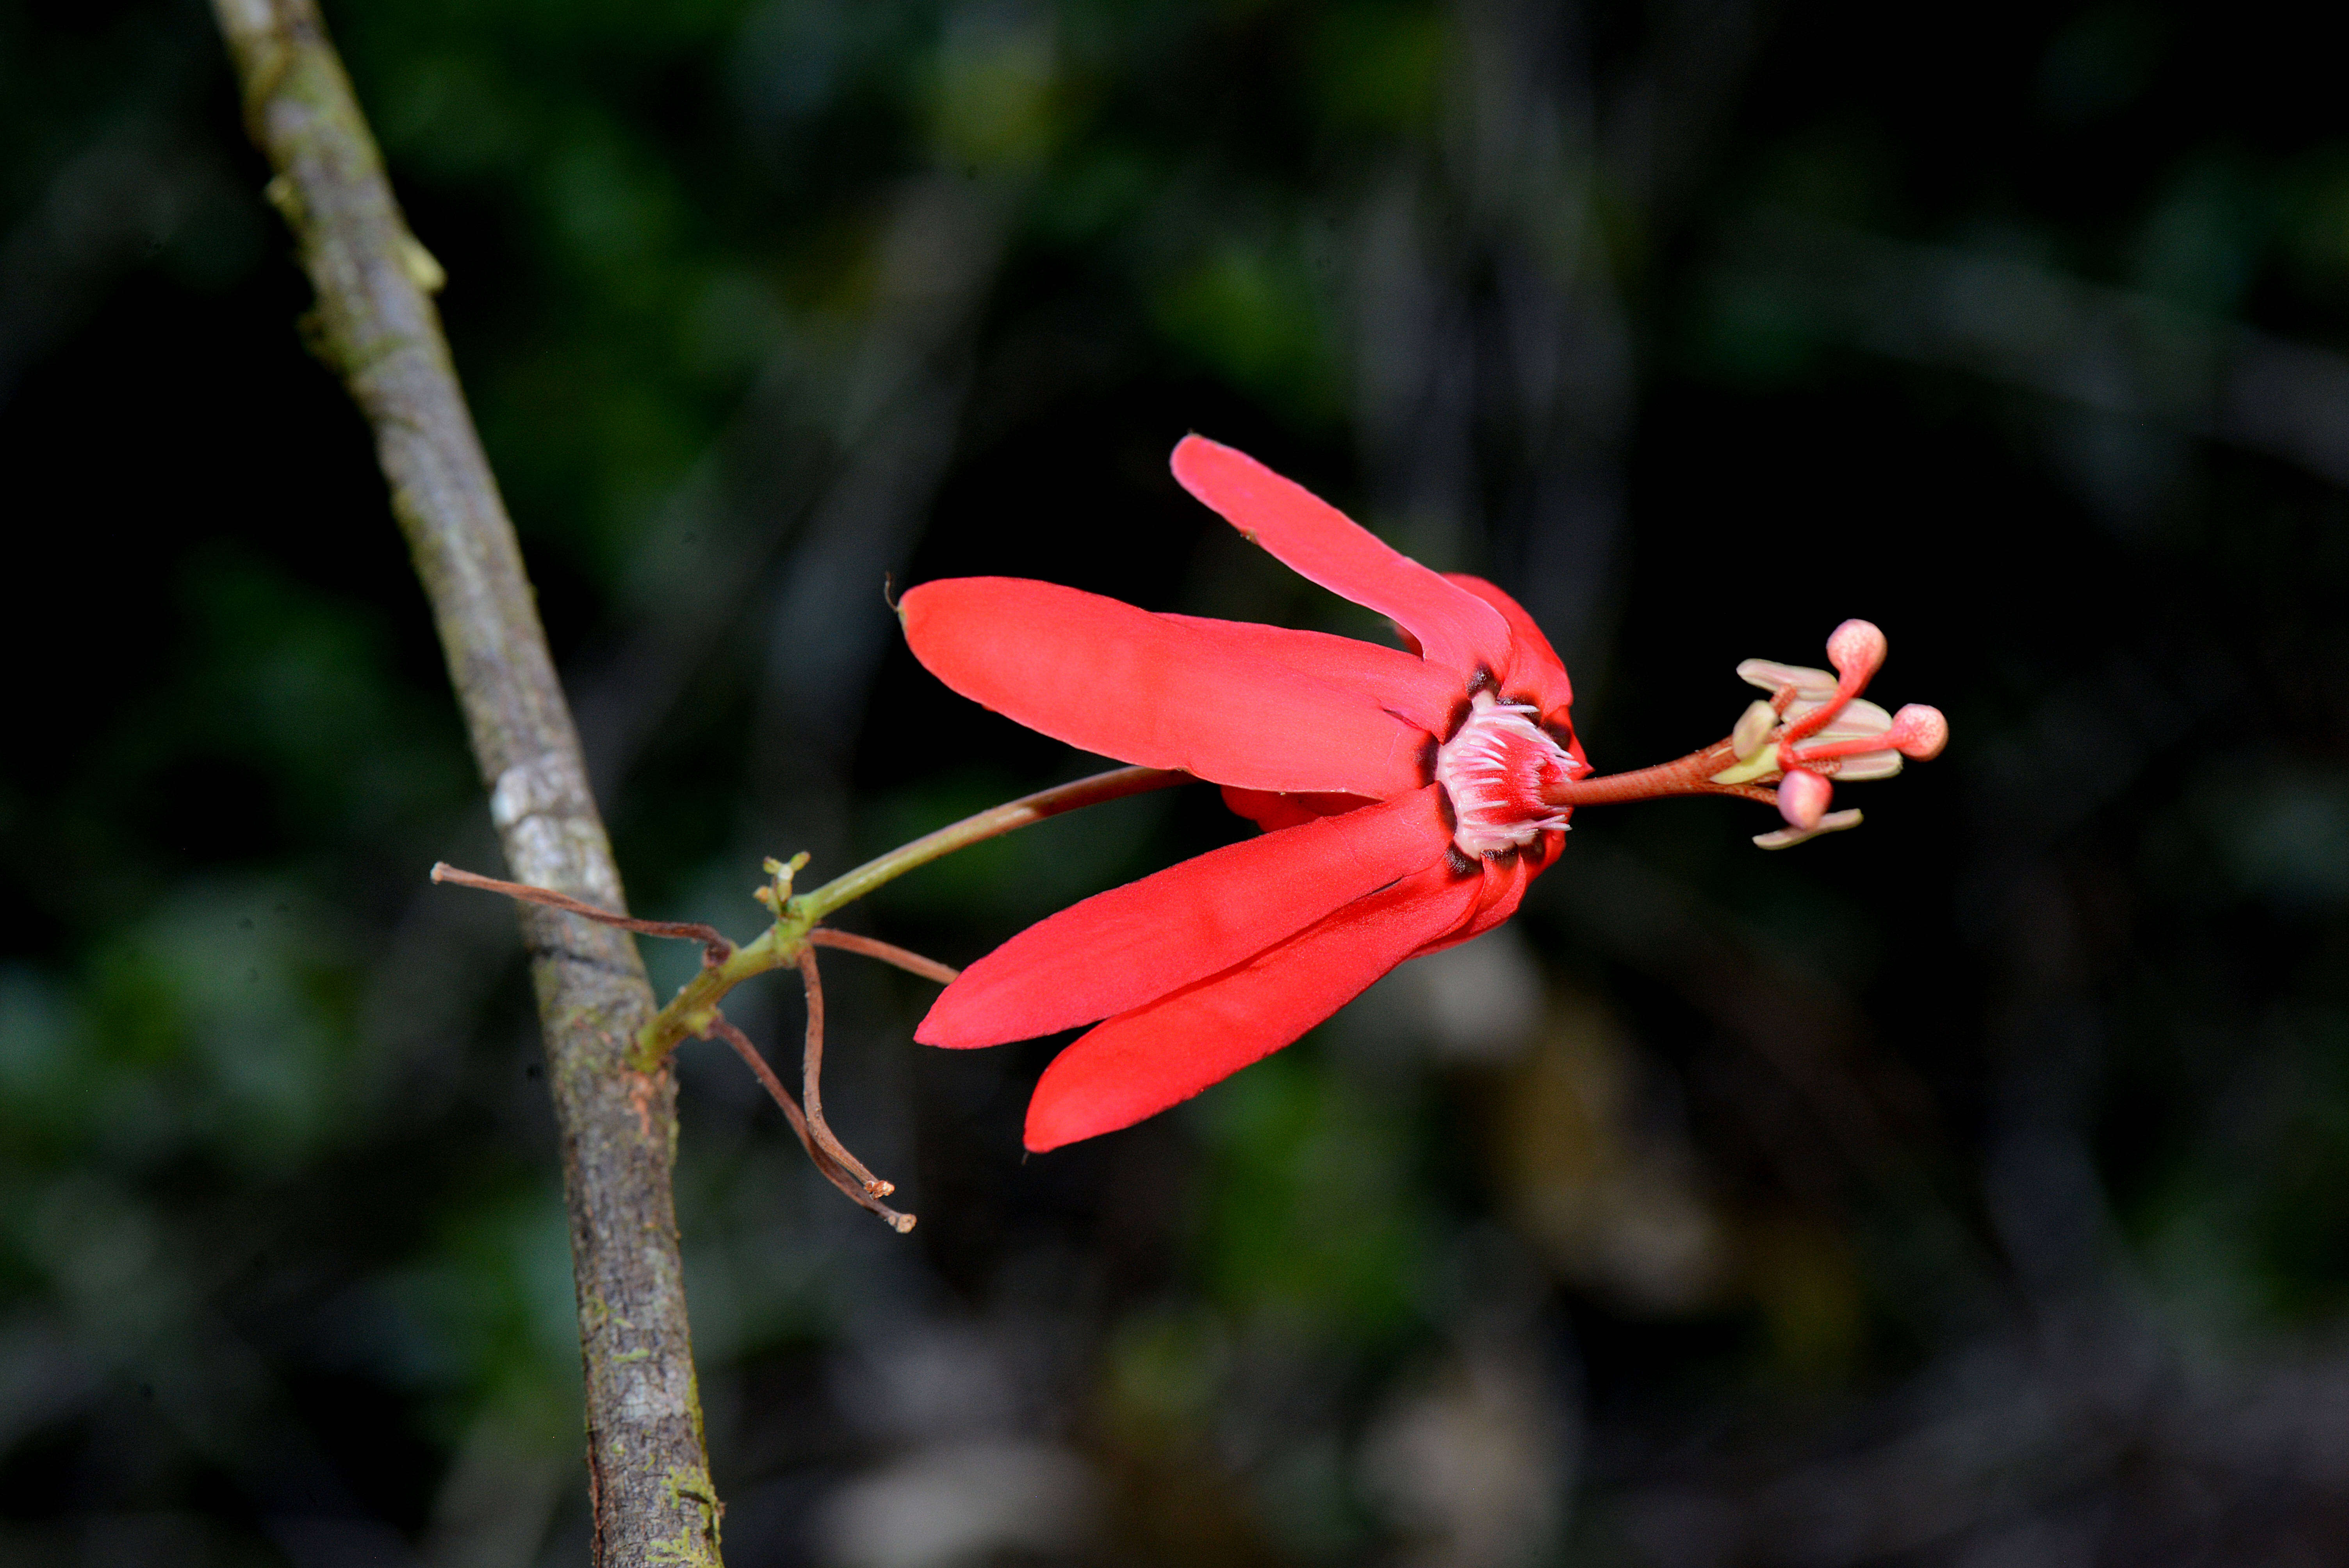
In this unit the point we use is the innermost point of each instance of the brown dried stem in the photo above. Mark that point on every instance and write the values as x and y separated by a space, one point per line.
832 1173
812 1081
716 947
843 1168
888 952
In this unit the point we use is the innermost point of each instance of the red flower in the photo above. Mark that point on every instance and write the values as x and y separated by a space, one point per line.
1401 795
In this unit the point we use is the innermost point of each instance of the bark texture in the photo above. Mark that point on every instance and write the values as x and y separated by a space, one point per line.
375 324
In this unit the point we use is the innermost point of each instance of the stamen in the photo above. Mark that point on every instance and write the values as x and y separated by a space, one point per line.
1857 716
1917 731
1860 770
1815 719
1850 746
1770 675
1857 649
1785 838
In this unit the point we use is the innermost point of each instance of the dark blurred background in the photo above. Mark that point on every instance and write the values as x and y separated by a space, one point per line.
1972 1189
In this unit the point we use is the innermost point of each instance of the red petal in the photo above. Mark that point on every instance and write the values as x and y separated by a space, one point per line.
1139 1063
1273 812
1535 670
1318 542
1404 683
1132 945
1143 689
1504 889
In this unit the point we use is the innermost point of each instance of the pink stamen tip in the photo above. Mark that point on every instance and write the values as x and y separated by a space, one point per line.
1919 731
1803 798
1856 649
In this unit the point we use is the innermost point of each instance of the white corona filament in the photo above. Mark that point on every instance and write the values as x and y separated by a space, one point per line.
1495 768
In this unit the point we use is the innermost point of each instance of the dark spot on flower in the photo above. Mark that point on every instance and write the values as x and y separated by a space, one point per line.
1524 699
1444 808
1483 680
1458 863
1427 751
1560 729
1460 712
1502 858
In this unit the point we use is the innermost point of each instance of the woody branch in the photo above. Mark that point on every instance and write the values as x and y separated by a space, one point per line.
375 326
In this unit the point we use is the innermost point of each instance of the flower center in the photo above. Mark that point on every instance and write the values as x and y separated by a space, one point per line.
1495 768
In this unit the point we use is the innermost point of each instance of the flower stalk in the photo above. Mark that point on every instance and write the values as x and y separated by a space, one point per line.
690 1013
1094 790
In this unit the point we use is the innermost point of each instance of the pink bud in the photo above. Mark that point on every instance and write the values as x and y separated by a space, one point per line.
1919 731
1803 798
1856 649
